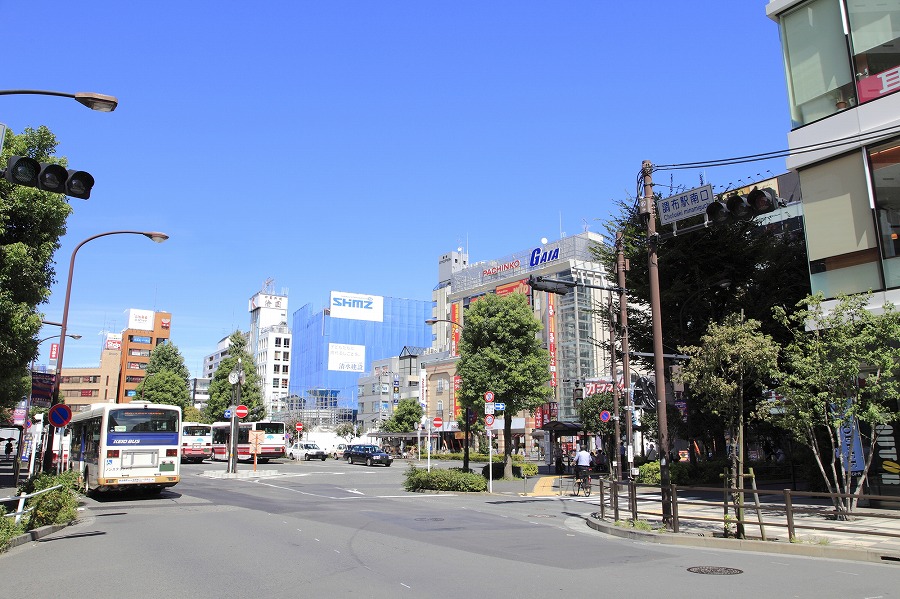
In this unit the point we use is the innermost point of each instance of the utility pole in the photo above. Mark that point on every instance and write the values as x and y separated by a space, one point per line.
621 268
648 208
617 458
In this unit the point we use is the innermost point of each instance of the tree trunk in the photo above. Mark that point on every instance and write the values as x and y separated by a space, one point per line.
507 445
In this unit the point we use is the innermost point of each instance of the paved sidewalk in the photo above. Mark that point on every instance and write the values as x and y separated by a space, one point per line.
871 535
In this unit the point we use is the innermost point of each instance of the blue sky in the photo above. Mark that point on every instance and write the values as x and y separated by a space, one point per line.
345 145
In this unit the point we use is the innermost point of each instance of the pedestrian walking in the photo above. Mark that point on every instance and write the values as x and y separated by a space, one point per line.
9 450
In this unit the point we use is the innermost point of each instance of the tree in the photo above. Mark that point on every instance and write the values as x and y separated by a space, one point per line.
706 275
733 357
31 224
839 375
406 417
191 414
501 352
221 392
167 379
347 431
164 387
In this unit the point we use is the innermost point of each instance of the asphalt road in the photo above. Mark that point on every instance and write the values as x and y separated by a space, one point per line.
329 529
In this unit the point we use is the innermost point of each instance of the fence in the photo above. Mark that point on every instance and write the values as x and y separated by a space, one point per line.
650 503
20 511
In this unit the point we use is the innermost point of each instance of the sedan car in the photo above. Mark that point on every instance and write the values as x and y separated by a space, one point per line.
367 454
306 451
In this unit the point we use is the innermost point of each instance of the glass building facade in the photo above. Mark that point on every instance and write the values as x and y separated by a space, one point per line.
335 345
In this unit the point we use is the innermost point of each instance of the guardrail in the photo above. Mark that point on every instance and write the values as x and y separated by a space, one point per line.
20 511
613 492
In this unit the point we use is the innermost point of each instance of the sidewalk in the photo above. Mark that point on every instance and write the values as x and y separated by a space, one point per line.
871 535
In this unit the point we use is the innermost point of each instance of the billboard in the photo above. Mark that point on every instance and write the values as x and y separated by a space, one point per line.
355 306
113 341
141 320
345 357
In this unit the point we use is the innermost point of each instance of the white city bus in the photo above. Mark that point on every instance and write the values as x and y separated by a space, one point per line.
127 446
272 447
196 442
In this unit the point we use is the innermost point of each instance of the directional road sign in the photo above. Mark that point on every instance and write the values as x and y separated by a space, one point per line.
499 406
685 205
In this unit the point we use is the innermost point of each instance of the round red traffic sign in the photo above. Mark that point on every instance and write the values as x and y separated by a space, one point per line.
59 415
488 396
438 422
241 411
489 420
605 416
299 426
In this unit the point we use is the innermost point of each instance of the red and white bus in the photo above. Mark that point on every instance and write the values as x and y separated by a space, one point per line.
272 446
196 442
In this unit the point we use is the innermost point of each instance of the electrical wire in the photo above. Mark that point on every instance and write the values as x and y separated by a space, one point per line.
837 143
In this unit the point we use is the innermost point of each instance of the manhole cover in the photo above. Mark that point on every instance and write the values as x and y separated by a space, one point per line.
429 519
717 570
541 516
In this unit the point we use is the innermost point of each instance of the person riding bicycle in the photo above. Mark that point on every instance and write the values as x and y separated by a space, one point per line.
582 463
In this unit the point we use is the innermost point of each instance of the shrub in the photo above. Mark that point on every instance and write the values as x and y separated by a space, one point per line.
679 473
529 469
8 528
53 507
419 479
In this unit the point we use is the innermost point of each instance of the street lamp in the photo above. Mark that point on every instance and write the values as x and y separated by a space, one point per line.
468 417
153 235
94 101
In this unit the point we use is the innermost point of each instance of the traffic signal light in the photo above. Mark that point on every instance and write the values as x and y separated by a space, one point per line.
21 170
743 207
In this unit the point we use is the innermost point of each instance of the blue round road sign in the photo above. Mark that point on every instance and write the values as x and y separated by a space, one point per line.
605 416
60 415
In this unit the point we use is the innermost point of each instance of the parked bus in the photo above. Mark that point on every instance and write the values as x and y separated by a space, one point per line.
272 446
196 442
127 446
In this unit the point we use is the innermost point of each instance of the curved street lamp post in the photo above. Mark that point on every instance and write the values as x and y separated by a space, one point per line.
154 236
433 321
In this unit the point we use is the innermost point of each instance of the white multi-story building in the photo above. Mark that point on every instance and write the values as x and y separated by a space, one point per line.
270 346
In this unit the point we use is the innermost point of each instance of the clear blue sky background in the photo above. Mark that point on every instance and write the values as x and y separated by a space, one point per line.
345 145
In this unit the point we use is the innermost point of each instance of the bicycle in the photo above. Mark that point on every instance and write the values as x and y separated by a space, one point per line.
583 483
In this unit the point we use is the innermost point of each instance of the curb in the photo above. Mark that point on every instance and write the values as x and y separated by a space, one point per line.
684 540
36 534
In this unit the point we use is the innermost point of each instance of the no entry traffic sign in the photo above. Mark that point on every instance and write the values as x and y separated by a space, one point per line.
241 411
438 422
59 415
299 427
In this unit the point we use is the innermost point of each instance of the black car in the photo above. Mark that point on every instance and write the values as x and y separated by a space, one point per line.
368 454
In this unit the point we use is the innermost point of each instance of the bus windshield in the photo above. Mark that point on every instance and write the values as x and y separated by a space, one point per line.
143 420
195 430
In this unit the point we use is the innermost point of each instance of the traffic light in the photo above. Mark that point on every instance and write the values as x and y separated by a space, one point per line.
743 207
21 170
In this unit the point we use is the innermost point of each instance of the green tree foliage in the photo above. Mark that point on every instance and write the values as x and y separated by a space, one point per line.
347 431
164 387
221 392
168 357
733 359
167 379
406 417
31 223
191 414
704 276
841 366
501 352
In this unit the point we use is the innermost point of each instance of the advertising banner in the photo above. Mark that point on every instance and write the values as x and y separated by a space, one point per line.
344 357
41 389
355 306
141 320
113 341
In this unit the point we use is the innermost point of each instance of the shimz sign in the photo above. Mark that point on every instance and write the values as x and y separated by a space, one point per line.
355 306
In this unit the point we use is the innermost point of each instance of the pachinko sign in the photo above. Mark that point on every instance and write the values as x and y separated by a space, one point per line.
551 337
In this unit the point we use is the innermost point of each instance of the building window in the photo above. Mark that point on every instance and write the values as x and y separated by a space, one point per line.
875 41
277 368
277 341
884 164
278 355
287 341
287 356
819 75
275 383
441 384
284 383
284 369
139 338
